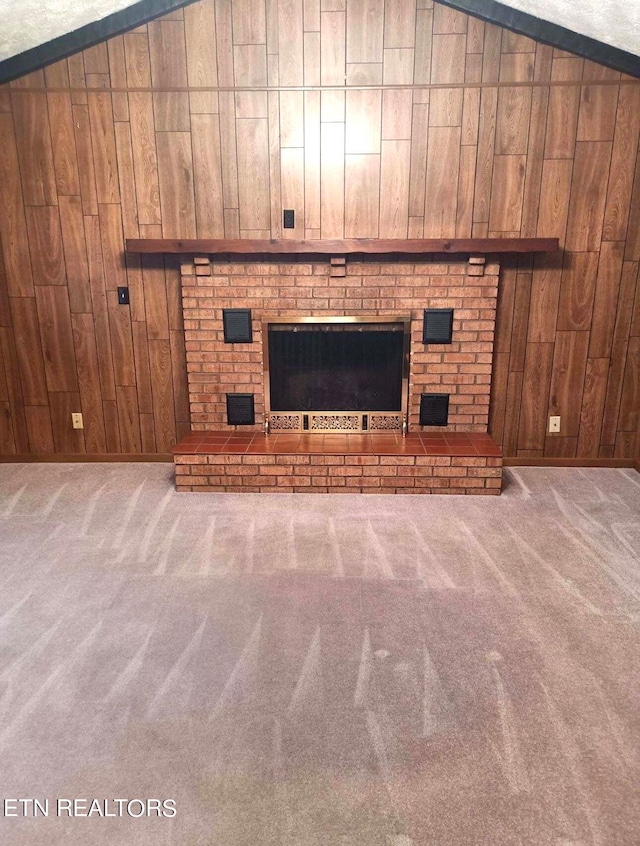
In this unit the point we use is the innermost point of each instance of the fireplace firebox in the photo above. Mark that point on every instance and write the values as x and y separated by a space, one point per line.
326 374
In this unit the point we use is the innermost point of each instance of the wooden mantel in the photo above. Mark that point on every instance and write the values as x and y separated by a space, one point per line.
342 247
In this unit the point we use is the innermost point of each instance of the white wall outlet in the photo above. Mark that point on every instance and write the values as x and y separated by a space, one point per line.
76 421
554 424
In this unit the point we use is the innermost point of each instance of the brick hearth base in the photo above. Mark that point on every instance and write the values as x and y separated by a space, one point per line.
447 463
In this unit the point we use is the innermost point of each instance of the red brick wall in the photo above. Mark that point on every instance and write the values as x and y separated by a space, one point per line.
461 369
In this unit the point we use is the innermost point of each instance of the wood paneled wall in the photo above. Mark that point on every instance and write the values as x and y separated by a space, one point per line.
209 121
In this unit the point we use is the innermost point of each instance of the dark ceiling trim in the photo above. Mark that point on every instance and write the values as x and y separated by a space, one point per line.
549 33
93 33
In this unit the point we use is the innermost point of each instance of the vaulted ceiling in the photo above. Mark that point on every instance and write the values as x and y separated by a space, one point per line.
605 30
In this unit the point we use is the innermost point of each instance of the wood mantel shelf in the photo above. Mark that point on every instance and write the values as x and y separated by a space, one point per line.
343 247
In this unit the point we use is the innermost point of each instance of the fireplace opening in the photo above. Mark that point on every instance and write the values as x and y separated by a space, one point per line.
339 373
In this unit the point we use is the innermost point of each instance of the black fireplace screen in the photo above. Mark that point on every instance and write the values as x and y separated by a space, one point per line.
336 366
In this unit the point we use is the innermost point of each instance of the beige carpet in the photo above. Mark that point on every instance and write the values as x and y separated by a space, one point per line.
319 670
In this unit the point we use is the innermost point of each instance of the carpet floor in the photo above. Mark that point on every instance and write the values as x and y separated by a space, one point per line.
318 670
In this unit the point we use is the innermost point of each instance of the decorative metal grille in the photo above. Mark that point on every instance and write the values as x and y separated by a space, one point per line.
384 422
285 422
335 422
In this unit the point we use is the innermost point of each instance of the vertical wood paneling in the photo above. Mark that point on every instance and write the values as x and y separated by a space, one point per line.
550 151
47 259
29 351
56 335
35 154
13 227
567 379
362 175
175 170
63 144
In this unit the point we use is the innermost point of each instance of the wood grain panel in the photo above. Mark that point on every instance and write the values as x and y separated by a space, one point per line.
39 429
513 411
228 147
112 246
47 257
155 298
207 175
29 351
290 42
180 388
592 411
417 181
63 144
162 391
15 427
514 112
629 416
506 193
137 60
332 180
175 171
33 137
126 179
75 253
520 320
365 30
84 340
56 336
128 419
422 49
443 164
486 144
394 188
399 23
104 148
555 191
362 176
363 122
56 75
535 152
577 291
332 48
564 105
628 286
118 78
466 189
567 379
121 343
143 373
292 186
291 118
249 22
597 115
13 227
100 311
625 144
311 160
545 296
606 298
201 55
535 388
86 173
253 174
586 210
66 439
167 53
145 161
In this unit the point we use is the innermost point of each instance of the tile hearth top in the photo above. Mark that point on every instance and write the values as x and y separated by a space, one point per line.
472 444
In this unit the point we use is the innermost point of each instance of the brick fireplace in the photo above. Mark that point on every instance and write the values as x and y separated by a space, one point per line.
458 458
461 369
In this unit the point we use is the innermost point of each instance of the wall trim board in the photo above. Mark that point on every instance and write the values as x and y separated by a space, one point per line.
549 33
86 36
86 458
569 462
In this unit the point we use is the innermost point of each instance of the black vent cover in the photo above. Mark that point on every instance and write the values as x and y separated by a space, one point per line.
434 409
240 410
438 326
237 325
